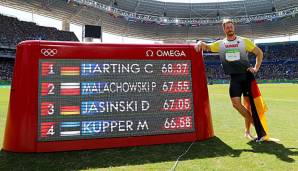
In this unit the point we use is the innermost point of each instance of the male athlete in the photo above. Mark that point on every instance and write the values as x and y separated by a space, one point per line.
233 52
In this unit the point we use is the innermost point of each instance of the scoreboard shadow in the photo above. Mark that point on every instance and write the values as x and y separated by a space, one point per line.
76 160
106 158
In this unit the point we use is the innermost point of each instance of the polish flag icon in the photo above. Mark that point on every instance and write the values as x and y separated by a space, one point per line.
70 89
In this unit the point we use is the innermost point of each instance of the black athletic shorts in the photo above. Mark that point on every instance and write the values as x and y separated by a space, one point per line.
240 84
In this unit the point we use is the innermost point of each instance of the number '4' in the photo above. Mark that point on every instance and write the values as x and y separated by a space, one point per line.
51 131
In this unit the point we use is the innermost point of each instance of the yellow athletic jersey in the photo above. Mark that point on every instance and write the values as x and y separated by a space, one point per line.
233 54
249 45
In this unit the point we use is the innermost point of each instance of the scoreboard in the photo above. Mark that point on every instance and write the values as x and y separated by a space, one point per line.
73 96
85 99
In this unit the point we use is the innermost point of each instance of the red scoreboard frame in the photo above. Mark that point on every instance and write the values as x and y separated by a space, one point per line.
21 133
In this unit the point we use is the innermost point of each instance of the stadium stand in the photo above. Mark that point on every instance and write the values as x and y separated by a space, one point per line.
13 31
279 58
6 69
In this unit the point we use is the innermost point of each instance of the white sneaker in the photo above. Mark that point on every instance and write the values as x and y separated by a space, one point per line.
261 139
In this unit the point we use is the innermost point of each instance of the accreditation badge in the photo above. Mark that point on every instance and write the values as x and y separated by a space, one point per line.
232 55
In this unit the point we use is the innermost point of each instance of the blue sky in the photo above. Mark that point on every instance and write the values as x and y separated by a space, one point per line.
107 38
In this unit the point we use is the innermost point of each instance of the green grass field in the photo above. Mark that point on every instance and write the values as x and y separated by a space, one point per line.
229 150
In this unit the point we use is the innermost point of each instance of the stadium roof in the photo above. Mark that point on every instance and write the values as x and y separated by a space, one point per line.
197 1
198 20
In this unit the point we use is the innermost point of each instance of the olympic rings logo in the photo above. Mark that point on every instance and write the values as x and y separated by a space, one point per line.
49 52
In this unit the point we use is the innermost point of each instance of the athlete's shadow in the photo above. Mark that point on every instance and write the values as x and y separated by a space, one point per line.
279 150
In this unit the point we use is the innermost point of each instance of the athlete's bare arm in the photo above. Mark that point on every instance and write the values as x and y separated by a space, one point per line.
259 55
202 46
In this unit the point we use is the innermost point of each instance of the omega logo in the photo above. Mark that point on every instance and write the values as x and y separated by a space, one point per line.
166 53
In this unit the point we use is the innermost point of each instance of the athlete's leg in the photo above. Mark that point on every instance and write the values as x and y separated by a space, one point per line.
236 90
236 102
248 123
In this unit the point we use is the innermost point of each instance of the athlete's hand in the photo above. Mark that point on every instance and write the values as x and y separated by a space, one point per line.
199 46
252 70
